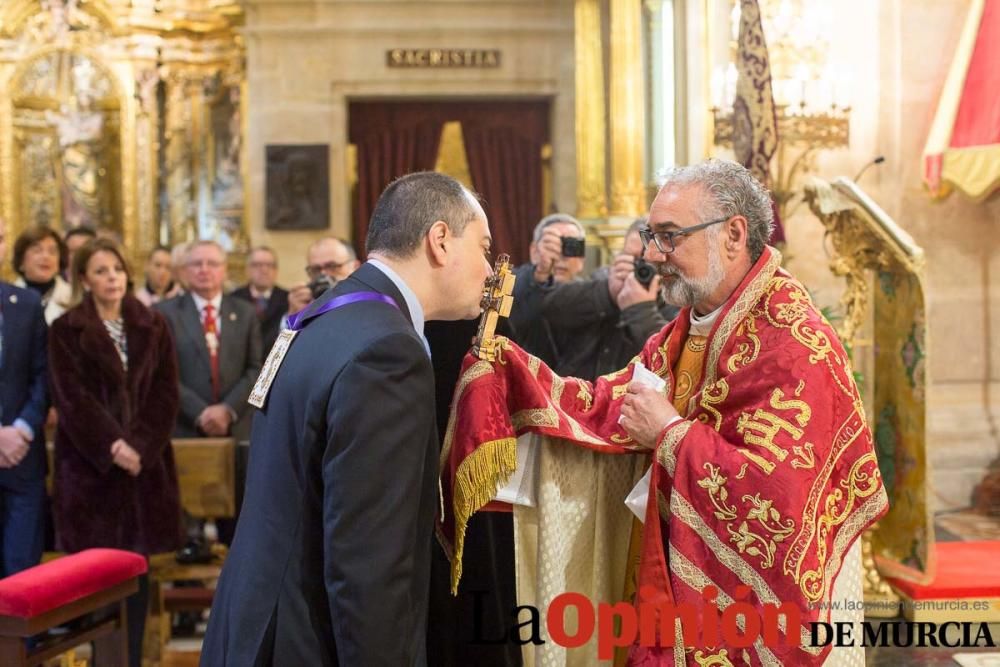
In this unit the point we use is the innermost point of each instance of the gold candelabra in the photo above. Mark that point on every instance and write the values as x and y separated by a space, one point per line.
802 131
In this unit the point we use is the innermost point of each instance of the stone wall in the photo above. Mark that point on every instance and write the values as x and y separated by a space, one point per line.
308 59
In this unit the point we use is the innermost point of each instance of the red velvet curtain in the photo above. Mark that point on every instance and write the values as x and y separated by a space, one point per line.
392 140
503 143
504 150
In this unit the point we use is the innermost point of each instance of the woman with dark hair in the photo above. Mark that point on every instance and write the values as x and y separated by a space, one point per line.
39 258
113 378
160 284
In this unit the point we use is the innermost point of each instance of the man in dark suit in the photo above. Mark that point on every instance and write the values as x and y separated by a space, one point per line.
331 560
218 348
269 300
23 406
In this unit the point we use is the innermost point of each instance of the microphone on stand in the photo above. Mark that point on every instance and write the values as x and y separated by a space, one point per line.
879 160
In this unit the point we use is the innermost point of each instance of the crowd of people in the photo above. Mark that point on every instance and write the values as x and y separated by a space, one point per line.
115 365
333 554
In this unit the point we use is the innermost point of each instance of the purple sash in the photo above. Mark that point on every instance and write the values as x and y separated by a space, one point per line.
296 324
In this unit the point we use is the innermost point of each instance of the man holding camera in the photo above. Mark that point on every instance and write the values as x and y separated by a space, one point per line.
556 251
598 325
328 261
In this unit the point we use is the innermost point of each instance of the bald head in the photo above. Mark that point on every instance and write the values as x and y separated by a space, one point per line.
331 256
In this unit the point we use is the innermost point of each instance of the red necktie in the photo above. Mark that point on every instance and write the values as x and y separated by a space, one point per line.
212 342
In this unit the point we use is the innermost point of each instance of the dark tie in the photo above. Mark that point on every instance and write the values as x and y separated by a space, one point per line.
261 302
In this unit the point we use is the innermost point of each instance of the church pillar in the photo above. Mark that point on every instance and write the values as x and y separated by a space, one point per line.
590 126
627 110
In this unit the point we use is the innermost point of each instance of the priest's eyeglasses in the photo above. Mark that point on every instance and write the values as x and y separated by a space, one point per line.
664 241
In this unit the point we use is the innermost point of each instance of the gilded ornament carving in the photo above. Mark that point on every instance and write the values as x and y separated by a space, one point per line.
80 138
859 247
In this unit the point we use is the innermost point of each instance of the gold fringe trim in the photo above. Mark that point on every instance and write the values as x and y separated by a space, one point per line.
477 480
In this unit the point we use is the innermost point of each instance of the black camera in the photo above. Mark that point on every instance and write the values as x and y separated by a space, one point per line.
321 284
573 247
644 272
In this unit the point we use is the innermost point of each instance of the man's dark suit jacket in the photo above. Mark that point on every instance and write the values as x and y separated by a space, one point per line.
239 360
270 320
23 378
331 560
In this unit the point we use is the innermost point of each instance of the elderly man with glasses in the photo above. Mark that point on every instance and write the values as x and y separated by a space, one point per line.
743 412
219 348
328 261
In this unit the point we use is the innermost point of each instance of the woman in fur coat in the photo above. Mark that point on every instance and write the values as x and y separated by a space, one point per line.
113 377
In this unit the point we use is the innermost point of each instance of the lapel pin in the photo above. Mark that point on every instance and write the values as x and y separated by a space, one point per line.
232 317
13 298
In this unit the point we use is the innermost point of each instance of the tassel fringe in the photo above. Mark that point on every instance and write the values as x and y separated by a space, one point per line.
477 480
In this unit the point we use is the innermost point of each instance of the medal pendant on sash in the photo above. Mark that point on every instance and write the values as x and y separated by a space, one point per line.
258 396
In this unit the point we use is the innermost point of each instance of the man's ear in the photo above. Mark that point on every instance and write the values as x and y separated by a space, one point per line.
437 239
736 232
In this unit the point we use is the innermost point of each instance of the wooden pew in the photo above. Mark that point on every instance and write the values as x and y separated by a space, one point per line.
206 477
85 589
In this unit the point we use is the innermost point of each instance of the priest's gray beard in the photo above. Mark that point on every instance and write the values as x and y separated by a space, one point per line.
681 291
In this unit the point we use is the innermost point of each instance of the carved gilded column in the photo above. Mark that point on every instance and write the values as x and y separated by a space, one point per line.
627 107
178 213
147 170
590 128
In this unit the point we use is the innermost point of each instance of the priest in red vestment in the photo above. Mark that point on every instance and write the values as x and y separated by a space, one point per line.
761 468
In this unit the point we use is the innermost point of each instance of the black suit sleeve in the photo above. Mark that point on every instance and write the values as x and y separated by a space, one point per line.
528 296
374 473
642 320
35 408
191 404
577 304
236 399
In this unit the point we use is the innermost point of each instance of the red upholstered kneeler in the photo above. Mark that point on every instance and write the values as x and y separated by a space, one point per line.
90 586
966 585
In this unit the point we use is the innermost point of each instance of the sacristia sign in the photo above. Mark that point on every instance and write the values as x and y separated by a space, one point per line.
443 58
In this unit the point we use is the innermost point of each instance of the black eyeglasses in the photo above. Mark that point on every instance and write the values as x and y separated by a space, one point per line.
665 240
313 270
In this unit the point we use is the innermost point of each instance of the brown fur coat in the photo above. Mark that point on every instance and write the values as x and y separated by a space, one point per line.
96 503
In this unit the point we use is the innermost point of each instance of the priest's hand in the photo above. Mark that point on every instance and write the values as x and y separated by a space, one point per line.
645 413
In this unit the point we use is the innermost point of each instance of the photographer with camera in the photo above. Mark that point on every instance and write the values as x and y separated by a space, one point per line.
328 261
598 325
556 251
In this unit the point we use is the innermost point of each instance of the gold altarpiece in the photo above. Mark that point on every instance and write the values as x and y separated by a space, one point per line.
125 115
